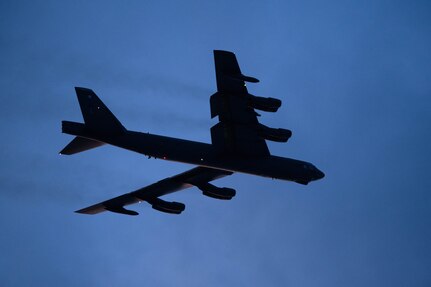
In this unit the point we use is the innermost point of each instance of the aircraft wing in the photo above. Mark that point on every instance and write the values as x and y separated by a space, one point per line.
238 130
199 176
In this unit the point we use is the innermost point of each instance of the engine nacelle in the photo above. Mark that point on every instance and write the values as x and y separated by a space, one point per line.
265 104
121 210
168 207
276 135
217 192
241 77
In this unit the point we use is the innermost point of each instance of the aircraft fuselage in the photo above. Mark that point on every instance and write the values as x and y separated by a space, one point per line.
202 154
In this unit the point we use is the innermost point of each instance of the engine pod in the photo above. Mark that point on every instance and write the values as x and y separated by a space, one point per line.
276 135
223 193
264 104
166 206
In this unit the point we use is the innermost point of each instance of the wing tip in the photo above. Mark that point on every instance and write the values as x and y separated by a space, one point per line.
94 209
83 211
98 209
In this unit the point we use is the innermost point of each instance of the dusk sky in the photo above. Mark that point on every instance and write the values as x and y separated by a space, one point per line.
355 81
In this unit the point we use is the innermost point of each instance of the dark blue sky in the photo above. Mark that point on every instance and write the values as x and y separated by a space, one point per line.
354 77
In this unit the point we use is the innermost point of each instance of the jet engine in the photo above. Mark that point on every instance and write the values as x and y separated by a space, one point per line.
217 192
165 206
276 135
265 104
121 210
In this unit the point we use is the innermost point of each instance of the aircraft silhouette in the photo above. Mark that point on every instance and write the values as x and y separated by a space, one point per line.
238 144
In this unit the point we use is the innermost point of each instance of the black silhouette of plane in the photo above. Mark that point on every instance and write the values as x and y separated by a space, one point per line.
238 144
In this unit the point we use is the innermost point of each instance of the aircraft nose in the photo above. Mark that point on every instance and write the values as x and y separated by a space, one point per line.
320 174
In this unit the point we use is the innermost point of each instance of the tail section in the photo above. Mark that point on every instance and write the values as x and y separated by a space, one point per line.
96 115
98 120
79 144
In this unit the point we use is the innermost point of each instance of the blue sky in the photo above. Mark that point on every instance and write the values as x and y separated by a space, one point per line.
354 78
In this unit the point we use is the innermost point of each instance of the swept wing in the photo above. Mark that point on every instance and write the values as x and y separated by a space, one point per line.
199 177
238 130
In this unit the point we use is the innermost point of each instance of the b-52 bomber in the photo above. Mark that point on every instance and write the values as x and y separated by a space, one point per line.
237 144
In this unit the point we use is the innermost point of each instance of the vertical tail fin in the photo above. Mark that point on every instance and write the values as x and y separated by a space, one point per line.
98 119
96 115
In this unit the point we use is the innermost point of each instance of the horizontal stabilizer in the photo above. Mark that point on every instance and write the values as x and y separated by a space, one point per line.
79 144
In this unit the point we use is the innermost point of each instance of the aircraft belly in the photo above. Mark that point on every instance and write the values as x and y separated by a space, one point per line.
206 155
166 148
